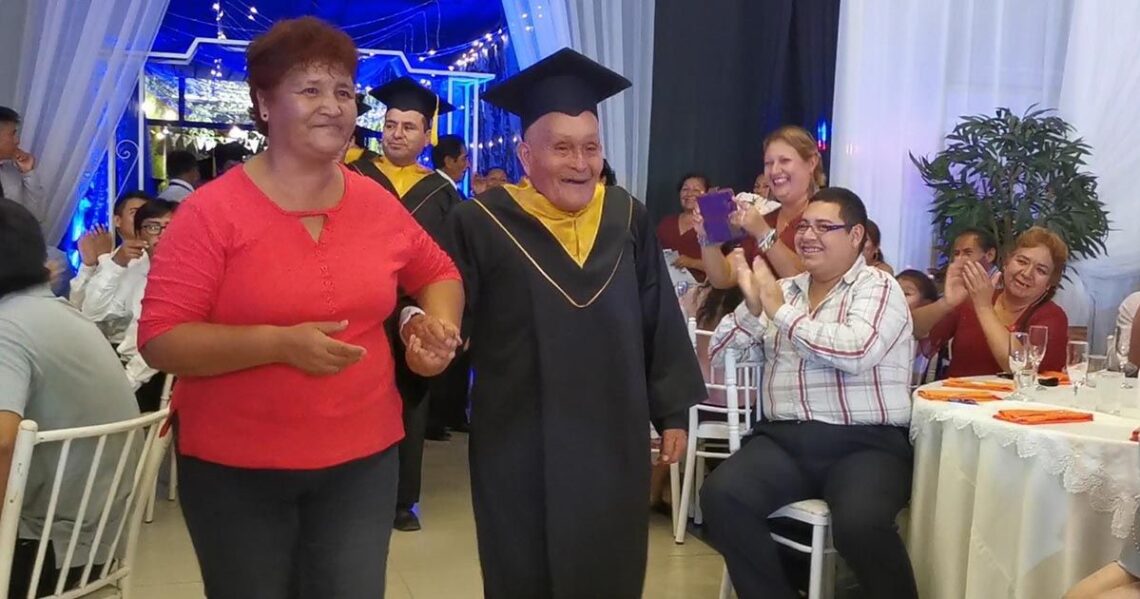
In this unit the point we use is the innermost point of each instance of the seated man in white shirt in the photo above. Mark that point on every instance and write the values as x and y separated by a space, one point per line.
116 293
55 369
100 242
836 347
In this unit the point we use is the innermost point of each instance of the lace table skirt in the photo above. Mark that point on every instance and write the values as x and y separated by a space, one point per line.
1007 510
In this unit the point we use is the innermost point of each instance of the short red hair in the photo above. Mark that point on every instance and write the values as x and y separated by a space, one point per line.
292 44
1042 237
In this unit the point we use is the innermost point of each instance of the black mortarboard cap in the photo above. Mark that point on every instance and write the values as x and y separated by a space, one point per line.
565 82
406 94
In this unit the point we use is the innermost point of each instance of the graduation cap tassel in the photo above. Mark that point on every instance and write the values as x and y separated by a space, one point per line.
435 124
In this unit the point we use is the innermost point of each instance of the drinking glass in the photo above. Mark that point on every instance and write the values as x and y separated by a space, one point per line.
1077 364
1019 365
1122 345
1038 343
1110 391
1097 364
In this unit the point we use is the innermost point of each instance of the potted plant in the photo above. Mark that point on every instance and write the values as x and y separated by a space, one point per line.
1005 173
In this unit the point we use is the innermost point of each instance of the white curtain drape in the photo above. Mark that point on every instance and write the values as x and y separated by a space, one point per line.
79 64
1100 96
908 69
617 34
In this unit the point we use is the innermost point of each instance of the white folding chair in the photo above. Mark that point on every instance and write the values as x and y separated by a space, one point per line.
714 438
135 467
172 490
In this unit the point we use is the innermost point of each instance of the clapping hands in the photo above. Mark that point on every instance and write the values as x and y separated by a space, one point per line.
762 292
95 243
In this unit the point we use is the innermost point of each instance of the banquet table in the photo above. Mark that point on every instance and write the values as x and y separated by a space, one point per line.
1009 510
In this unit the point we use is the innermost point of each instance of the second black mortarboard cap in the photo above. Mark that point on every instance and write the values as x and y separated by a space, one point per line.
406 94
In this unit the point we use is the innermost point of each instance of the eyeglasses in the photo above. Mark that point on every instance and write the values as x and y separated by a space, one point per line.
820 229
154 228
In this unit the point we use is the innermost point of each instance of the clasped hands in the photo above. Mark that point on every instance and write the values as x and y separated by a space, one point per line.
310 347
431 344
762 292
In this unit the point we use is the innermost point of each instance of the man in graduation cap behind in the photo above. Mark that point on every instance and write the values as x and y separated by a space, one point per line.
409 124
577 342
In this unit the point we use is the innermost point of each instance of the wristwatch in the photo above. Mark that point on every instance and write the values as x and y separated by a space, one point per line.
765 243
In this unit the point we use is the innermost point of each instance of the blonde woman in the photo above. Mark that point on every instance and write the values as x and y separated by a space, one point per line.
794 171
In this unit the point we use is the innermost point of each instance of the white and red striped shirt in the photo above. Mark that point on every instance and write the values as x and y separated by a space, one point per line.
848 362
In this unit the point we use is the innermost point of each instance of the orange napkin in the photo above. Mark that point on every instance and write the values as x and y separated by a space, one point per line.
1062 378
949 394
1042 416
1000 386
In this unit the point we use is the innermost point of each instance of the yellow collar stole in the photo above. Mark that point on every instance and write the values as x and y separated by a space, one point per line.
403 178
575 232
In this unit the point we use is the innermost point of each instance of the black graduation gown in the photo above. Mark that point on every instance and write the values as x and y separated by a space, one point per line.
563 395
429 200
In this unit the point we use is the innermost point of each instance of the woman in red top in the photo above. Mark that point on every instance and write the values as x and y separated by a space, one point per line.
795 172
978 320
676 232
268 300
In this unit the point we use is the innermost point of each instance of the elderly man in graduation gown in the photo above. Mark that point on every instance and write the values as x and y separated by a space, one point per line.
577 342
410 122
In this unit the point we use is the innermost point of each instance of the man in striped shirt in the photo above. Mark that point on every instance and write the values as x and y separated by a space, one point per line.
836 347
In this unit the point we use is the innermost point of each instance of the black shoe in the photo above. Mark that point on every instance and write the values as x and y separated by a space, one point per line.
437 434
406 521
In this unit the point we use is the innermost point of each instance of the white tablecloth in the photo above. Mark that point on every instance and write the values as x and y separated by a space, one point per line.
1007 510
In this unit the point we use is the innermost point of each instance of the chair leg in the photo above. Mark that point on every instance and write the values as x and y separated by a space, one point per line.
675 492
172 490
148 517
686 493
698 516
725 585
818 547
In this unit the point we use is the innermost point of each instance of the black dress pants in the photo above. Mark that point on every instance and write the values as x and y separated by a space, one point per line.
862 472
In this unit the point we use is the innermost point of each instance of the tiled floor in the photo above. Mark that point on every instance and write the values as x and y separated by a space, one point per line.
438 562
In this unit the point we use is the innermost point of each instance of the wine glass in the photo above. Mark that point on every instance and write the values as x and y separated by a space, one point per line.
1019 364
1038 343
1077 363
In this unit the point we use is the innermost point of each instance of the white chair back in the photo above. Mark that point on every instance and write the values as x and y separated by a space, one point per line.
139 449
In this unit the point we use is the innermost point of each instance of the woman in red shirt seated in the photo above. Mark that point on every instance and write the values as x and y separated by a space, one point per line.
268 301
977 320
676 232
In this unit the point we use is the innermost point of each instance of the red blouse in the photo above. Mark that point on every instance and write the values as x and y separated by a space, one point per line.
686 244
232 256
971 355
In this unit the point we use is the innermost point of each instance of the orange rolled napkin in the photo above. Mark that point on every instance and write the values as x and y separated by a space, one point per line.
1042 416
950 394
1000 386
